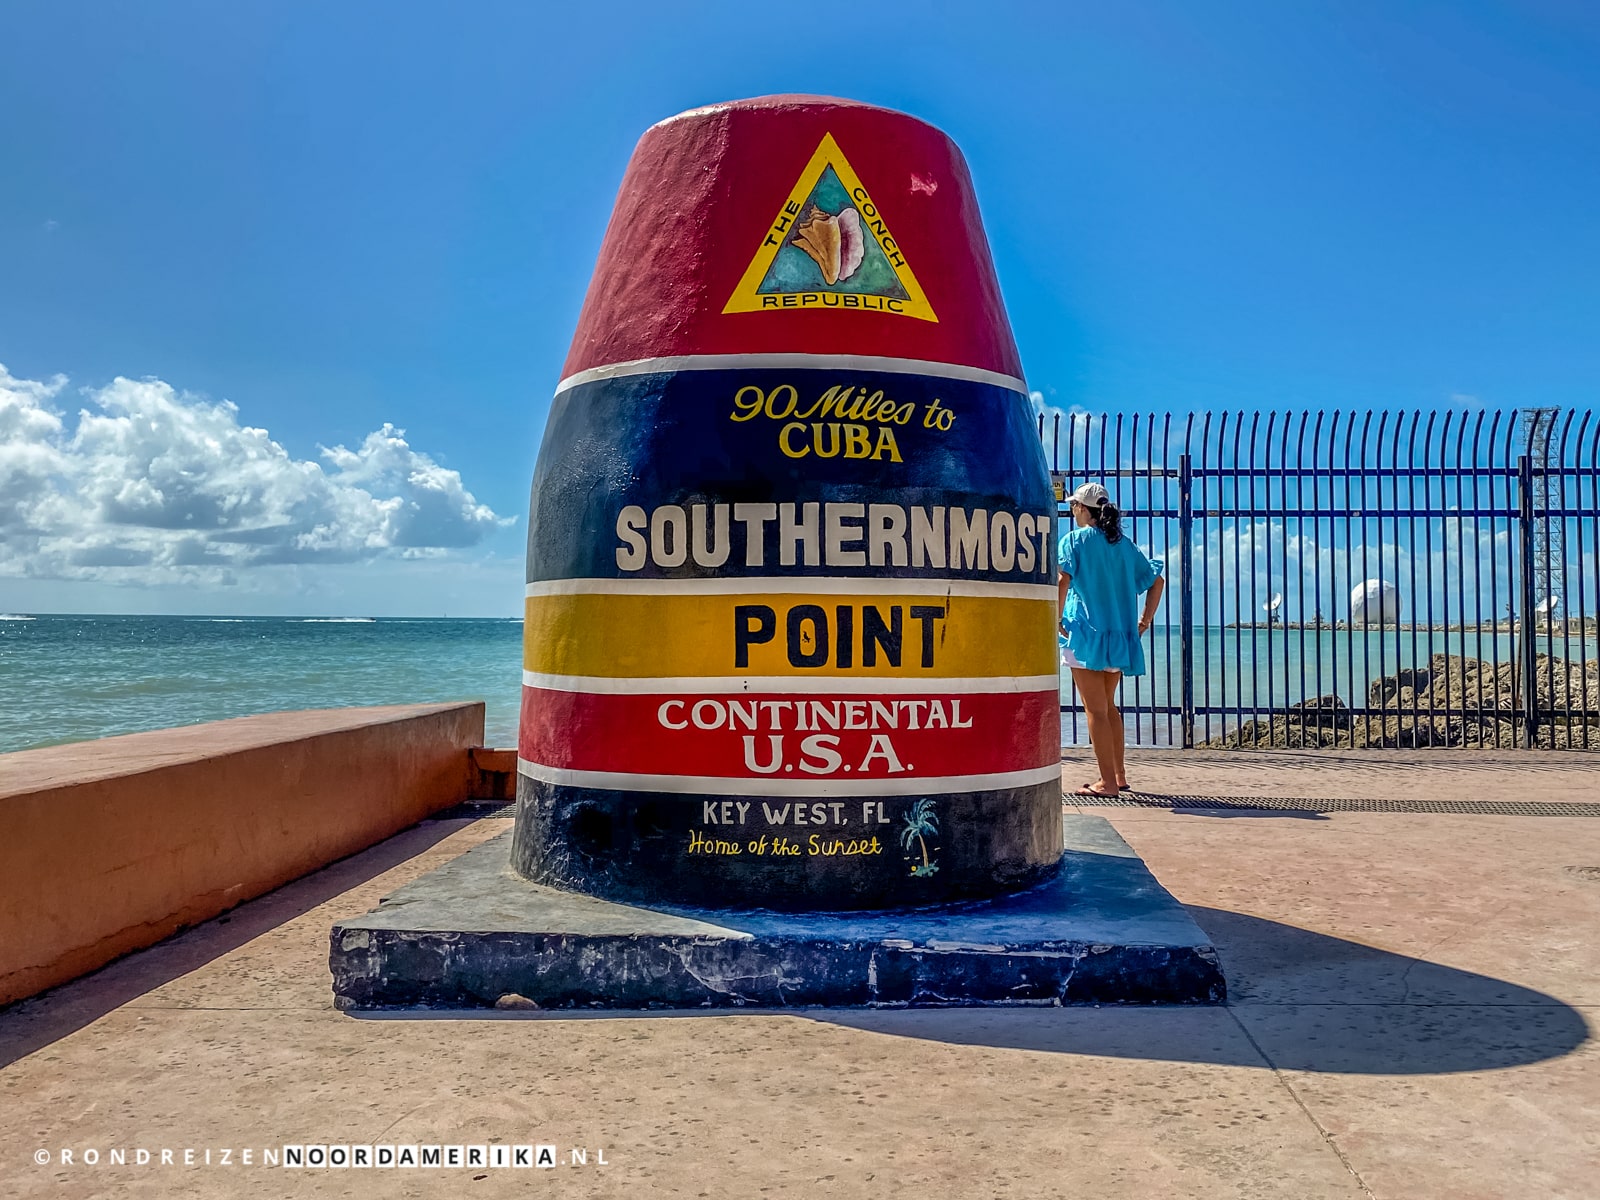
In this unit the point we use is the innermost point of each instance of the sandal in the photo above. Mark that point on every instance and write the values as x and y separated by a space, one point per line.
1089 789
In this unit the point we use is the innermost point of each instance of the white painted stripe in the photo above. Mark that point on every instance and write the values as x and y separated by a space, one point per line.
715 785
719 685
794 362
795 585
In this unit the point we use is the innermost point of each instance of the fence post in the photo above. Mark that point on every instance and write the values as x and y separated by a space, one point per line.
1186 596
1527 651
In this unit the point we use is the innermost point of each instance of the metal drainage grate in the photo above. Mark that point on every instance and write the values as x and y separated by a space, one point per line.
1507 808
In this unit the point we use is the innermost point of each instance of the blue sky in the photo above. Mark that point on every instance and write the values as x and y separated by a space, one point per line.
350 220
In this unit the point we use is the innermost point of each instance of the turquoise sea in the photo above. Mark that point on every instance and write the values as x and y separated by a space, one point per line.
68 678
1244 674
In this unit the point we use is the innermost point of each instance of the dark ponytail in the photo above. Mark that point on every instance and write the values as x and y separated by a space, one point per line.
1108 521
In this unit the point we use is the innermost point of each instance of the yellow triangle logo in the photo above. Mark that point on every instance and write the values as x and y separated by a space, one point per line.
829 248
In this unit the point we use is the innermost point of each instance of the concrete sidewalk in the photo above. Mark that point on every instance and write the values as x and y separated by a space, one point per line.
1552 776
1410 1013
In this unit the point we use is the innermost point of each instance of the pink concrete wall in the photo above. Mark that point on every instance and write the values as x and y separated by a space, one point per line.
109 846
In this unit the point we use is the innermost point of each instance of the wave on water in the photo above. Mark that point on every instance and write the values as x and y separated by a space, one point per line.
94 677
16 617
218 620
338 620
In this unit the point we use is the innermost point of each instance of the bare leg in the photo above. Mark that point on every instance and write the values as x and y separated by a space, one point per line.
1119 742
1092 691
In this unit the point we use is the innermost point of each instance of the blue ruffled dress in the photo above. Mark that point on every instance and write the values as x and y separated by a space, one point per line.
1101 618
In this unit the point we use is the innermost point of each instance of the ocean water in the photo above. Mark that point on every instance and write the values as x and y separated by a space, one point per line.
69 678
1245 673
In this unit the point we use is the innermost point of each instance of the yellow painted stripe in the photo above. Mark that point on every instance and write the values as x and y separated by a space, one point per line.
635 636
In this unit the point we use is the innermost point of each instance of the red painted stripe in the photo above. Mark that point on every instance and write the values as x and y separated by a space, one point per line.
999 731
699 196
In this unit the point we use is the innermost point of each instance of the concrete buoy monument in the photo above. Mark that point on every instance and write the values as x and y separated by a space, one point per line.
790 717
791 565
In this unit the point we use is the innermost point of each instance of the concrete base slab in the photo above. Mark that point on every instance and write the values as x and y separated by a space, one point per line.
1101 931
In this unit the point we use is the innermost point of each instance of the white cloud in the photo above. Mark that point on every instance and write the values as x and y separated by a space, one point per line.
1469 570
153 485
1054 416
30 432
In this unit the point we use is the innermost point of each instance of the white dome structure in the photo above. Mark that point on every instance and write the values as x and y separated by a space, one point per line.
1375 602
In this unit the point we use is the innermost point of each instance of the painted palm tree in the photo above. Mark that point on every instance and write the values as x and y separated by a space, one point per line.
921 822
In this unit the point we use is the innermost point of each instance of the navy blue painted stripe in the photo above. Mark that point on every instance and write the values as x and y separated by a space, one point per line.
649 441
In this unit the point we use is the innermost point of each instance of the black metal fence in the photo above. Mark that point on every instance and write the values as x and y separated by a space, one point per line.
1356 579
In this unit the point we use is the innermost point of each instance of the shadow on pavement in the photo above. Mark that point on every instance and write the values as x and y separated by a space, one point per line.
1298 1000
1303 814
1232 806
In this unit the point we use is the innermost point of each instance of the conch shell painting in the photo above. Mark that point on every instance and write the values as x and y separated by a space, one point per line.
834 242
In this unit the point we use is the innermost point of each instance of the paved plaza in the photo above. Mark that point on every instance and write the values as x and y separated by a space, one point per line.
1412 996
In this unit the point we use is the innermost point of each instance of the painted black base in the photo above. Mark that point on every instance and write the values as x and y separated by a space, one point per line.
642 847
1100 931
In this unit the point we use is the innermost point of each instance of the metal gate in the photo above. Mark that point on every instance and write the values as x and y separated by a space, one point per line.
1469 537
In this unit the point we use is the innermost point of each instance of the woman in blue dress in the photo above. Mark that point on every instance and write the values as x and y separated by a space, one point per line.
1102 576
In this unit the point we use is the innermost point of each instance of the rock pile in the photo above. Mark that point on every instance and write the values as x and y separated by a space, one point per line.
1453 701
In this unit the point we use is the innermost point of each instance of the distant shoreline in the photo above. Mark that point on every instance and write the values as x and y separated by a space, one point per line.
1587 627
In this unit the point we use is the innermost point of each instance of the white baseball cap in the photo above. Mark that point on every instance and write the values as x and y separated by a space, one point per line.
1090 495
